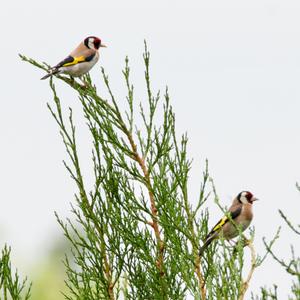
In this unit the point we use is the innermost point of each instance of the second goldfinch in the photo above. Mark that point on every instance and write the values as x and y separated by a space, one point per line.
80 60
240 213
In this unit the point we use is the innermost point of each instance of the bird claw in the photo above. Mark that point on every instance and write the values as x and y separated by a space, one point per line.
245 242
84 84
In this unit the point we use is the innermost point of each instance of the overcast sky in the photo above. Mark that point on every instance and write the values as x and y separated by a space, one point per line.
233 71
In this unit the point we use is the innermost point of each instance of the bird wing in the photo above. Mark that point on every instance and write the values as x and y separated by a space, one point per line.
70 60
233 214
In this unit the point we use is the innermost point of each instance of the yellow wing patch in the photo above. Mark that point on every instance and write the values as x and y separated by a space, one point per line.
76 60
220 224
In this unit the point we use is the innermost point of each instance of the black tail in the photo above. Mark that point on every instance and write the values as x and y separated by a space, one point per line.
205 245
52 72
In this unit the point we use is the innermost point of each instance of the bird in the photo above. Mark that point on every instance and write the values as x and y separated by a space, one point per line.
80 60
240 213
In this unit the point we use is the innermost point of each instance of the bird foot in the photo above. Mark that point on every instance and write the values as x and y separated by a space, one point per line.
84 84
245 243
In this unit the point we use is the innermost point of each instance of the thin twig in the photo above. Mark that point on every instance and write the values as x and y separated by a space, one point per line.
245 284
288 222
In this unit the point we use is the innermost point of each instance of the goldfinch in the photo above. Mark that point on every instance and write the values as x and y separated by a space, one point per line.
80 61
241 214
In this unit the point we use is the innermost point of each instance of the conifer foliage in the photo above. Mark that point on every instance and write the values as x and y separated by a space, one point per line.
136 233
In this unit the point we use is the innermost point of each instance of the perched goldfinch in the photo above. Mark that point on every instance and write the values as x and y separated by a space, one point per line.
80 61
241 214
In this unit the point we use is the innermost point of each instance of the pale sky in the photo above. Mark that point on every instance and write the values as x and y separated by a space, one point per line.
233 72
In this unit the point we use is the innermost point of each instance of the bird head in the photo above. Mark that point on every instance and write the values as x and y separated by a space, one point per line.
93 42
246 197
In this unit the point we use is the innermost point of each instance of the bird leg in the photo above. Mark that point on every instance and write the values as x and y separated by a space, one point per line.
84 83
245 242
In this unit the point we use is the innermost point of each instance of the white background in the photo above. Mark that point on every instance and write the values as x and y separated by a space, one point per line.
233 71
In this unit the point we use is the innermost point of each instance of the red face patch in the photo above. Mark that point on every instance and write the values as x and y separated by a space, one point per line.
249 196
97 43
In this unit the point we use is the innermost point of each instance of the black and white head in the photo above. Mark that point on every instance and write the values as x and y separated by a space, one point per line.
92 42
246 197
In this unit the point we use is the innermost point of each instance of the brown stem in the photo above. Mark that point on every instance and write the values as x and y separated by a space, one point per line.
86 207
91 214
201 281
107 269
245 284
154 224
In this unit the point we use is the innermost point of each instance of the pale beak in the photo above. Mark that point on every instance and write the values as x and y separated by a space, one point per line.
102 45
254 199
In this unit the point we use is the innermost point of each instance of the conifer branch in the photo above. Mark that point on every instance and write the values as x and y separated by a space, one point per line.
137 234
246 282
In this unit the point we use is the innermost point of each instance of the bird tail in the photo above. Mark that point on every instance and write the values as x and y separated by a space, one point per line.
52 72
205 245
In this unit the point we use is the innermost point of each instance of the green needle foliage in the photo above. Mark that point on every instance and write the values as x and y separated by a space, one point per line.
10 285
136 234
